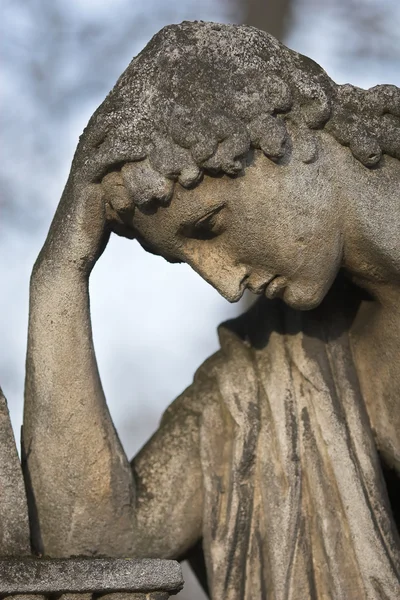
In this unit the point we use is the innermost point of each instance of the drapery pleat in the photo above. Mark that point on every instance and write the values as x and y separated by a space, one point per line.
295 504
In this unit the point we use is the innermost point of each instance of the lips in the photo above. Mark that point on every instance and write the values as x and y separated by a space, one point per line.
275 287
260 289
270 288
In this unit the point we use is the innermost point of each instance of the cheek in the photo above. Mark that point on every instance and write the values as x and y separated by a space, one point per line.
263 234
263 247
302 241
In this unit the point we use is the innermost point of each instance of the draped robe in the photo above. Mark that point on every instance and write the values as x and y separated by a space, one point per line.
296 506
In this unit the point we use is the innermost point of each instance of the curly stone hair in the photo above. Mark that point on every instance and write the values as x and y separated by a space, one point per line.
200 95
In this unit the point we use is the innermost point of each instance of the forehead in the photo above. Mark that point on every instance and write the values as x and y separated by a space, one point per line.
160 229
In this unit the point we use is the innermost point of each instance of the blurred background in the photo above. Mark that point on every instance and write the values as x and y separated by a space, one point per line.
154 323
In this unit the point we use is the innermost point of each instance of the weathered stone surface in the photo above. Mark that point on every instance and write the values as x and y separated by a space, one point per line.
14 526
150 596
221 148
79 575
34 597
76 596
118 596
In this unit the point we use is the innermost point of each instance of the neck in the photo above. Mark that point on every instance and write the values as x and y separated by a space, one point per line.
370 206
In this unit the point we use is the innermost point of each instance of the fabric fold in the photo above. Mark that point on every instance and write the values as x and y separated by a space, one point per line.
295 498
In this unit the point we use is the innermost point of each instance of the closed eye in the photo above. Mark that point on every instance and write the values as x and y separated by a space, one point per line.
207 227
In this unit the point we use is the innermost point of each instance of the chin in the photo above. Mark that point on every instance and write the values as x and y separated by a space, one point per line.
302 297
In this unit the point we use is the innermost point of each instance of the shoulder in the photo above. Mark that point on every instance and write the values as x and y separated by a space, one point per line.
202 391
232 362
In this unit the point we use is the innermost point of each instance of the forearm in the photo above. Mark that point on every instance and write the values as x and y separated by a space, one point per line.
80 477
82 483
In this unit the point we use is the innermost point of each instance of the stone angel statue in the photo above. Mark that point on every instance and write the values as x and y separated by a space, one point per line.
277 471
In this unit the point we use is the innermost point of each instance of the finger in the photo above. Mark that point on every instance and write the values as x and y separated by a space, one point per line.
116 193
119 205
145 184
112 152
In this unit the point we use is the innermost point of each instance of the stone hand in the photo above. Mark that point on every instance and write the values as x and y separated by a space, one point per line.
85 217
79 231
118 204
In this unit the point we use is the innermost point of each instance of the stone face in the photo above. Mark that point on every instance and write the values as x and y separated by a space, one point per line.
79 575
275 472
14 526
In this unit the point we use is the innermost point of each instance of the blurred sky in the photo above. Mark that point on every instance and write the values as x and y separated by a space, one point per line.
154 323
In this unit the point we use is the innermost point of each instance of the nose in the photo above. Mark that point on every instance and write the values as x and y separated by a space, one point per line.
227 278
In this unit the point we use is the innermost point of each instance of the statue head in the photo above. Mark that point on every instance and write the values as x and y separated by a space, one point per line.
214 132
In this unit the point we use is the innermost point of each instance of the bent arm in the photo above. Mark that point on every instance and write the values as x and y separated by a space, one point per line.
80 478
85 496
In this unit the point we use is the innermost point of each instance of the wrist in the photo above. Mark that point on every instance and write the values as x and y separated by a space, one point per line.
58 269
77 237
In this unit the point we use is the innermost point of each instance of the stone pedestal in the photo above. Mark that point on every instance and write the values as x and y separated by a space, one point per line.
81 578
24 577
